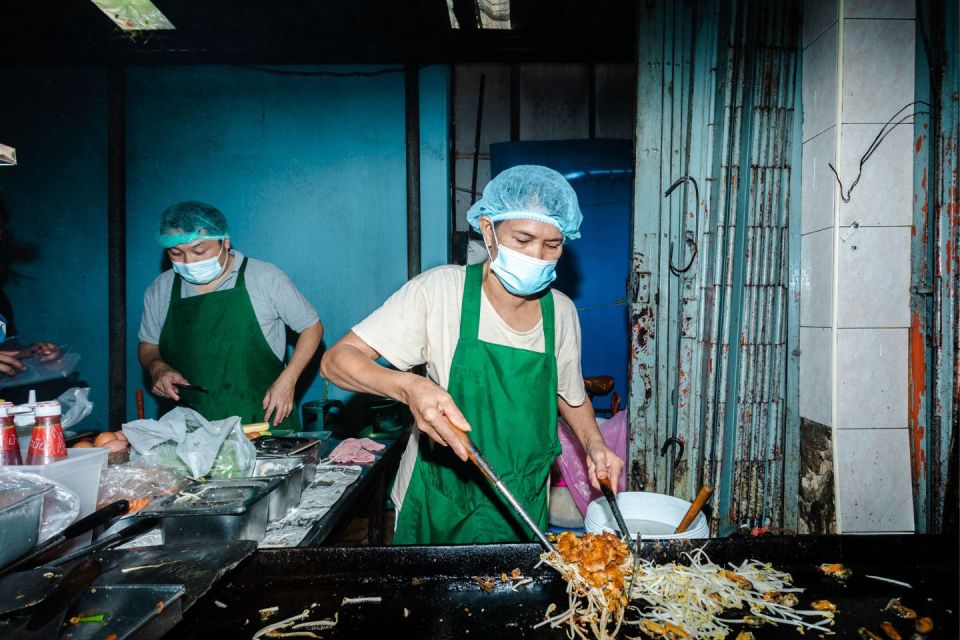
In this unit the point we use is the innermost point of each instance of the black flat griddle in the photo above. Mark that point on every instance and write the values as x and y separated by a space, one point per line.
442 600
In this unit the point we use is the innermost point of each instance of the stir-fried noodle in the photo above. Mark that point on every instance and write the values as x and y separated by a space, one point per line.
673 601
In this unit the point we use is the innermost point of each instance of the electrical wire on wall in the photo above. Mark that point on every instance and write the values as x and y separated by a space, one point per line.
881 136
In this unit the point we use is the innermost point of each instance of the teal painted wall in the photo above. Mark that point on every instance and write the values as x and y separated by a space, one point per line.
56 118
310 171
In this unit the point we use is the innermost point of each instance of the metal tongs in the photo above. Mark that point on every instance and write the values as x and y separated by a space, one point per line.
477 458
607 489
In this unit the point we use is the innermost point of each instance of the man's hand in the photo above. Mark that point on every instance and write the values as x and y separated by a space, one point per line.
10 364
279 398
165 381
602 463
45 351
434 410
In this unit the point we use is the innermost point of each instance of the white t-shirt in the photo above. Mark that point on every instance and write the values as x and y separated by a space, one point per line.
420 324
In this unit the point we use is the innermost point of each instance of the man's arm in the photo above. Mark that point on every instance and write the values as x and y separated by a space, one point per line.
602 462
278 400
164 378
351 364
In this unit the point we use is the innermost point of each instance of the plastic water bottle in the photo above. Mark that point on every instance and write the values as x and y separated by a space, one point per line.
9 444
46 444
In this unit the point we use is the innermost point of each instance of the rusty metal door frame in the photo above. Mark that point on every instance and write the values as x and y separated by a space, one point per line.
714 332
935 299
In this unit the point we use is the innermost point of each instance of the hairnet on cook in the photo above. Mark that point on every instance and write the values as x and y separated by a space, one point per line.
530 192
190 221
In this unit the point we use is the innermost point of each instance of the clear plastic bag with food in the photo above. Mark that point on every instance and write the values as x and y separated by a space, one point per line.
139 483
182 438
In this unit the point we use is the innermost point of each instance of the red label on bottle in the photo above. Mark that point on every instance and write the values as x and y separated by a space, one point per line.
9 439
47 442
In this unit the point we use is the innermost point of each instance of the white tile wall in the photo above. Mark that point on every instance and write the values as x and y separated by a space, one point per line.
873 475
873 289
879 9
878 69
818 182
815 375
820 84
817 16
816 279
871 378
884 194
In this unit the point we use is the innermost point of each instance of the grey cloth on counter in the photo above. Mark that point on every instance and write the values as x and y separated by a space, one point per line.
276 301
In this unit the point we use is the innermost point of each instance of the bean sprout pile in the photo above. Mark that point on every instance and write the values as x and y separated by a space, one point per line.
671 601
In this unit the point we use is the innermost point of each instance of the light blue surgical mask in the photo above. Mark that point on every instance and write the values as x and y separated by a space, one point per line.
200 272
519 273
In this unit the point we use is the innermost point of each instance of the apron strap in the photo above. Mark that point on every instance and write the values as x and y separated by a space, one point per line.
470 307
546 310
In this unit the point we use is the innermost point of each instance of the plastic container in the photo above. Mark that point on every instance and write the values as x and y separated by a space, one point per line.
79 472
655 515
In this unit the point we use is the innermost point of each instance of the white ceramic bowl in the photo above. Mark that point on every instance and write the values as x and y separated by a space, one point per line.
656 514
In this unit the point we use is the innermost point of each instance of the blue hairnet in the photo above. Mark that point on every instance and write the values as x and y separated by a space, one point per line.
189 221
530 192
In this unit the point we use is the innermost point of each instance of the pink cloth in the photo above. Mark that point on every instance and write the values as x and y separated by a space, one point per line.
355 451
572 461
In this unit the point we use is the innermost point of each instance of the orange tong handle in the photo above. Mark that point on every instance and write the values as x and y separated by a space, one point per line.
140 404
705 492
472 453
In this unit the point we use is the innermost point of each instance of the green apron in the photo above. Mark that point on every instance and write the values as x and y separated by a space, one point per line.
509 396
215 341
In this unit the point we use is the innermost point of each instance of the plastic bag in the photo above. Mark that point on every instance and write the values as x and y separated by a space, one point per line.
183 438
38 370
75 405
61 506
572 461
134 481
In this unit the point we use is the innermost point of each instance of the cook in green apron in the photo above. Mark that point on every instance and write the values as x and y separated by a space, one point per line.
509 396
215 341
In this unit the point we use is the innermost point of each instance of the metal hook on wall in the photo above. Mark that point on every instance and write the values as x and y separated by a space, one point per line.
688 235
673 441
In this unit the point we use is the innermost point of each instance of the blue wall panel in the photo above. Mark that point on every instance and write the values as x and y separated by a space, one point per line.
57 200
309 171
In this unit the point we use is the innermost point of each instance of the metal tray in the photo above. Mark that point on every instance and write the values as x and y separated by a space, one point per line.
233 510
290 471
140 611
284 445
306 450
20 511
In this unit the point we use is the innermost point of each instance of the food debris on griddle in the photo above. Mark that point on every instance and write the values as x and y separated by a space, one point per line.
836 571
923 625
267 613
890 631
898 609
486 583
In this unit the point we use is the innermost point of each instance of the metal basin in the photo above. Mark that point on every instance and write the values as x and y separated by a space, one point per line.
222 510
290 472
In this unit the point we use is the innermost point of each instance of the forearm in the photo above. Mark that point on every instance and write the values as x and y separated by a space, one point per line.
306 346
582 421
149 355
353 369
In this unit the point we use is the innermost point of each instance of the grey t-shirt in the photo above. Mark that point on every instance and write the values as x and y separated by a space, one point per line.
275 299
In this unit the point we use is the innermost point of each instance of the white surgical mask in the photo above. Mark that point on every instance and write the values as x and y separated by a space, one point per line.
200 272
519 273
